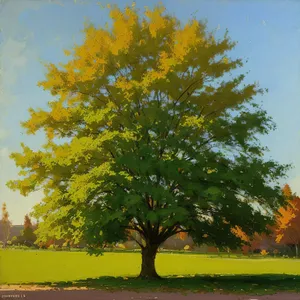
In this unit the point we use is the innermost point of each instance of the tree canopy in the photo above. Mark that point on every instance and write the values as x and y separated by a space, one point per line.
149 131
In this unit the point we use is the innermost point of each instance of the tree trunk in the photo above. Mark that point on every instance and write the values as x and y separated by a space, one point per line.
296 246
148 262
228 252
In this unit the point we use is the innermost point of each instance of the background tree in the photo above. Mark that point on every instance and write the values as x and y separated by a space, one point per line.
27 222
288 221
182 235
6 224
28 236
149 130
15 240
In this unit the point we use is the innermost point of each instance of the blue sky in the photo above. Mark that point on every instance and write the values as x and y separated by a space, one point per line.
33 32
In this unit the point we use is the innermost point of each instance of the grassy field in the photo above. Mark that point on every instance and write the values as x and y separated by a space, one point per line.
113 269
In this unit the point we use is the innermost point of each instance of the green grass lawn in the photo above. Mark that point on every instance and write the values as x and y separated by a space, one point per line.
77 268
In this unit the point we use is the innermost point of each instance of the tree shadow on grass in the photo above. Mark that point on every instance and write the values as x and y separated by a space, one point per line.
238 284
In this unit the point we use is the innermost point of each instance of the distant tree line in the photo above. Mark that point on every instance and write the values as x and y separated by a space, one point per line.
26 236
283 237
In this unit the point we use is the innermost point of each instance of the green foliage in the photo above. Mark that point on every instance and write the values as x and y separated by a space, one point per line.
27 237
158 140
14 240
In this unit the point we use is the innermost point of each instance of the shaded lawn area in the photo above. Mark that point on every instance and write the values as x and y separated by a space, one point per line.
234 284
114 271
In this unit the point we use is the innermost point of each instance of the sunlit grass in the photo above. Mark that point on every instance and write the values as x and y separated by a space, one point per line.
17 266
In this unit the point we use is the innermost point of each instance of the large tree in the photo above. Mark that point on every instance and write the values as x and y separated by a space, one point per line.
149 131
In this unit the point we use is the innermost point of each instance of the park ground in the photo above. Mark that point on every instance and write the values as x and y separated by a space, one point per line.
125 295
114 272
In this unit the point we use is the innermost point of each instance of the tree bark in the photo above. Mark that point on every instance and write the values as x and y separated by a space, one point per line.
148 270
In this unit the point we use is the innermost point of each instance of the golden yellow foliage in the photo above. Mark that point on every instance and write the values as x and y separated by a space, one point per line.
157 21
186 40
121 246
225 60
288 219
264 252
240 233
